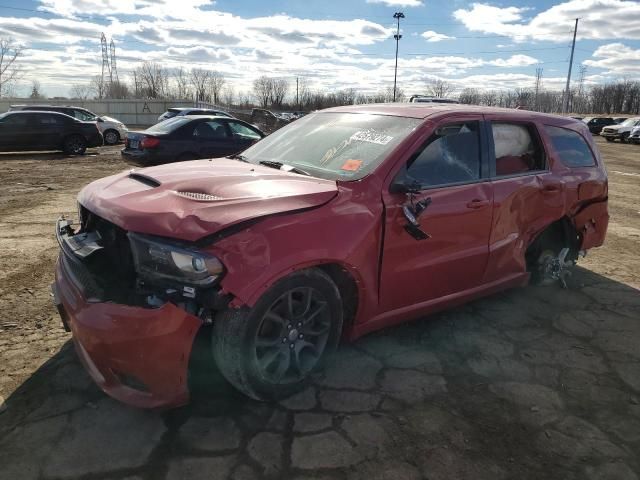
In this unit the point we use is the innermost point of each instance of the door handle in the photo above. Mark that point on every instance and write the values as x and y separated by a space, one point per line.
477 203
551 188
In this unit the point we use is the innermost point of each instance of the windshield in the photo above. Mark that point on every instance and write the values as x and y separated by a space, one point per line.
169 125
345 146
629 122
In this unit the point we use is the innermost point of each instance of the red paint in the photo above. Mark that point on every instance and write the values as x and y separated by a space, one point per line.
151 344
479 234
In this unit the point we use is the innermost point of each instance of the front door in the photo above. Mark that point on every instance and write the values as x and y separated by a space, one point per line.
213 139
449 171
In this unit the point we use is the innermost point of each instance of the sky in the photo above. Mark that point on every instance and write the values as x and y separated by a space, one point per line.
331 44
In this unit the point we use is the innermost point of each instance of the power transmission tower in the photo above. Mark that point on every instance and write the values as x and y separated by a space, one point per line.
397 36
567 94
537 88
114 70
106 66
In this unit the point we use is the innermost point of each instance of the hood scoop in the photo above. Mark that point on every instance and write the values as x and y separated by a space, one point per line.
199 196
146 179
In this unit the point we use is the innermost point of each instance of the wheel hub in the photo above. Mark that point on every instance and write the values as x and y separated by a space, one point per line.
293 335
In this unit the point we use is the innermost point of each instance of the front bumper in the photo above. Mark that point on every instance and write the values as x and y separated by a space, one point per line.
136 355
610 134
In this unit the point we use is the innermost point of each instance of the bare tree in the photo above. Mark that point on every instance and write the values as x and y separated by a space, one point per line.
470 96
537 88
9 71
117 89
439 88
153 79
279 89
262 87
216 83
200 82
36 91
181 83
228 95
80 91
98 86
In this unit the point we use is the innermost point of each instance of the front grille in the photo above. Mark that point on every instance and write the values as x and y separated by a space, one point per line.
82 278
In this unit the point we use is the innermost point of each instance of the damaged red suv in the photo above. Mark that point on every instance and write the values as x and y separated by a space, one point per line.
343 222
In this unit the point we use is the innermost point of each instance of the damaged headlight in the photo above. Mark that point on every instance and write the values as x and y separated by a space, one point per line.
157 259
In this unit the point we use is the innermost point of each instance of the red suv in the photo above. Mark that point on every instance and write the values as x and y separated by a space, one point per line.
346 221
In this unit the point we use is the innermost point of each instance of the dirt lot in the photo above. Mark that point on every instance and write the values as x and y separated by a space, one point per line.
534 383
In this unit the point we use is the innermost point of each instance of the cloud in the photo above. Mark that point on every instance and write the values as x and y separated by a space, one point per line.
514 61
432 36
398 3
599 20
617 59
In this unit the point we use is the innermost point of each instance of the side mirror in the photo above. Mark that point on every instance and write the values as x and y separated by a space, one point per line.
99 120
406 185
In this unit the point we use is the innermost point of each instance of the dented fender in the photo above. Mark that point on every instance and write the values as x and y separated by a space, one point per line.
591 224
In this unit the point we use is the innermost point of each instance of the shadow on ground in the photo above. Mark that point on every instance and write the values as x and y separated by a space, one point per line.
532 383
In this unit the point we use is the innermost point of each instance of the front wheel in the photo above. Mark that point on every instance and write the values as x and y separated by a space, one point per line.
267 352
111 137
74 145
624 138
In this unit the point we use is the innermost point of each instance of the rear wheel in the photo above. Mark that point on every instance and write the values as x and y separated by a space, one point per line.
74 145
111 137
268 352
609 139
625 137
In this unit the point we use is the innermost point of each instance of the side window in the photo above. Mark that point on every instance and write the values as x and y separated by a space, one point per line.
450 155
81 115
517 149
243 132
572 149
211 130
16 120
45 119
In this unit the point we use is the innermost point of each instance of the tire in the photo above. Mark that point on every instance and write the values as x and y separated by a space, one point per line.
111 137
74 145
609 139
624 138
267 352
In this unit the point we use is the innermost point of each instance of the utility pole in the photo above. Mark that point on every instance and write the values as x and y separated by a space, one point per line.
565 106
298 92
538 83
397 36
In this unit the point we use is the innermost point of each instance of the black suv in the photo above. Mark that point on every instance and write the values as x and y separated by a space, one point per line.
596 124
33 131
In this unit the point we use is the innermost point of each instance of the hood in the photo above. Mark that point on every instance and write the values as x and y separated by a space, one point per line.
190 200
110 119
614 127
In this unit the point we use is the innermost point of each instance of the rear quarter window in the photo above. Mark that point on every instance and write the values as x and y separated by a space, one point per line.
571 147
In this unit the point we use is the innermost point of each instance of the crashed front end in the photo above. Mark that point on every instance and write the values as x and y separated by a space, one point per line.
134 304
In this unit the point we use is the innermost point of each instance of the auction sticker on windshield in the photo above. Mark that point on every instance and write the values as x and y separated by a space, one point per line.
351 165
371 137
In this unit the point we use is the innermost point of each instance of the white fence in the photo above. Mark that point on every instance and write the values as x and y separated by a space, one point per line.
130 112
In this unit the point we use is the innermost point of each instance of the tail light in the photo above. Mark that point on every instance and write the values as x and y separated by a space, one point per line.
149 142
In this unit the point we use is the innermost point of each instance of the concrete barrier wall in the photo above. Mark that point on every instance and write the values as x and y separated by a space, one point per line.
129 112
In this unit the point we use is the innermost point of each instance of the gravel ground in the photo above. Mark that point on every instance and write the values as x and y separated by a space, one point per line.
529 384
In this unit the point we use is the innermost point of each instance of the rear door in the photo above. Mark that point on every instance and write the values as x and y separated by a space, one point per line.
527 194
13 132
51 129
450 167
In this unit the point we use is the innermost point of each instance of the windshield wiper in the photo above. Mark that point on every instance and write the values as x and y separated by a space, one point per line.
283 166
238 156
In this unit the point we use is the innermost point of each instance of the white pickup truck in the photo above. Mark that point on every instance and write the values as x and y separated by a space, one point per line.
621 132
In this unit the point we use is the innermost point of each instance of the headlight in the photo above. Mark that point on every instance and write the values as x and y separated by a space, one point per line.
157 259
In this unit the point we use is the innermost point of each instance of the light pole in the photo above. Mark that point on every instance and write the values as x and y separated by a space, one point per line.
397 36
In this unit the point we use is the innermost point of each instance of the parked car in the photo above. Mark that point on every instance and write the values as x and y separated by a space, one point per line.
634 137
621 131
185 111
267 120
343 222
596 124
112 130
619 120
38 131
427 99
188 138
